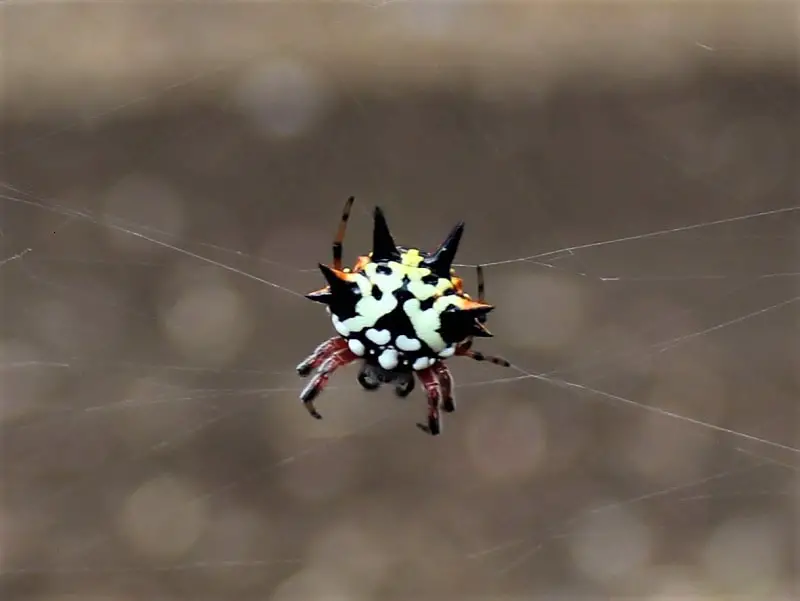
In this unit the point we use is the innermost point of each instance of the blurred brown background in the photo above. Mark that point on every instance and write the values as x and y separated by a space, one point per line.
172 172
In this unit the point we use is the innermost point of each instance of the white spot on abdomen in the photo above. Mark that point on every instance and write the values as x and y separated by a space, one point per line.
356 346
421 363
448 352
340 326
388 359
379 337
404 343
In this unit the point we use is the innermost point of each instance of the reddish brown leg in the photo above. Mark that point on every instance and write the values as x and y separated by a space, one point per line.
446 386
464 351
322 352
320 379
430 381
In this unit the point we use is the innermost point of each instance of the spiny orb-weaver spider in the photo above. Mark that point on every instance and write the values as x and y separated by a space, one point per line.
402 311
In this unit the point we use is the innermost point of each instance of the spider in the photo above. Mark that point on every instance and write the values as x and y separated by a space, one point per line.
401 311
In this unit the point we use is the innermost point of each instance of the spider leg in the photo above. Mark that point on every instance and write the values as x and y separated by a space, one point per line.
481 291
446 386
322 352
430 381
368 378
404 385
320 380
478 356
465 348
339 240
481 319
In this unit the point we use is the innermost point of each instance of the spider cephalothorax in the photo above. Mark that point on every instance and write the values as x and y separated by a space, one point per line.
402 311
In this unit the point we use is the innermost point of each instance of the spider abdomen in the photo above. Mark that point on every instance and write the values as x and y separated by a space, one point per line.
391 314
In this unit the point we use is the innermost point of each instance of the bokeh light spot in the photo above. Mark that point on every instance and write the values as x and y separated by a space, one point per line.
162 519
284 98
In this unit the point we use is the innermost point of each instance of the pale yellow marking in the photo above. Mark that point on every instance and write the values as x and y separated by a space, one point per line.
426 324
413 273
412 257
443 285
422 291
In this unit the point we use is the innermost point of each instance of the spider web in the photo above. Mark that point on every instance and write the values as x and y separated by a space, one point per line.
644 265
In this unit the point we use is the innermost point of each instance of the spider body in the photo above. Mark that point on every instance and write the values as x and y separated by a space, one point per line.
402 312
